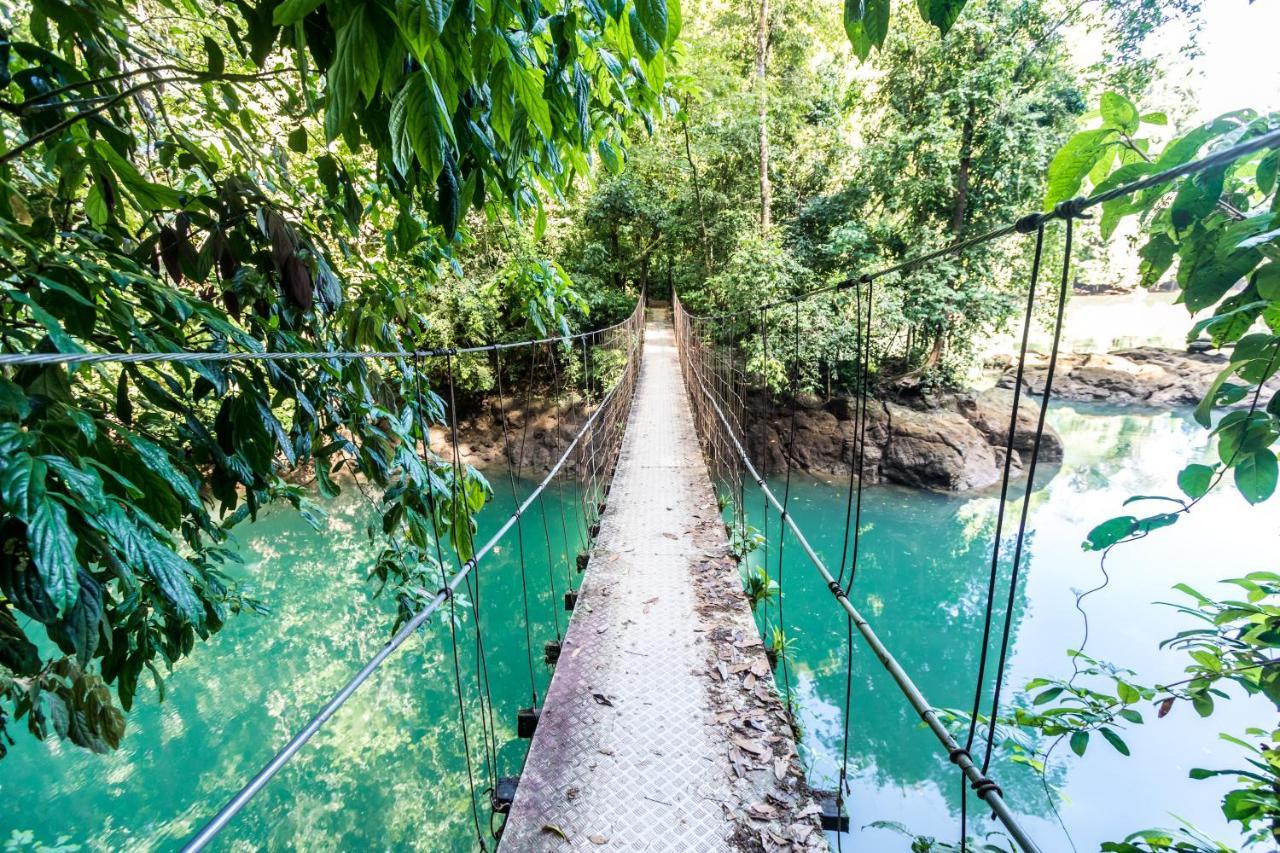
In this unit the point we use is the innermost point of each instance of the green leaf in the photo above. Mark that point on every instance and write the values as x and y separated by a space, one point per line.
1119 112
421 22
1154 118
416 127
527 82
941 13
1194 480
95 205
357 60
1047 696
298 140
866 22
1073 161
53 550
1256 475
1127 692
77 633
675 21
151 196
646 45
652 15
1157 256
217 62
157 459
22 485
1202 702
1115 740
1267 281
1079 742
1110 532
292 11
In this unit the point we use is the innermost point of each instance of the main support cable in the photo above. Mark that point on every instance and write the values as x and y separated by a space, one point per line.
446 593
986 789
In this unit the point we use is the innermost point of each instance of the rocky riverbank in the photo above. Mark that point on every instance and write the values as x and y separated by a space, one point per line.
536 434
947 442
1152 377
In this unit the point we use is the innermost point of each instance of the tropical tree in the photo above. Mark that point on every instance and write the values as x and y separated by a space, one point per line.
254 177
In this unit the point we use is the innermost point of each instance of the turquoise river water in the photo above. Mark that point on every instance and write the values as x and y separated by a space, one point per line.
388 771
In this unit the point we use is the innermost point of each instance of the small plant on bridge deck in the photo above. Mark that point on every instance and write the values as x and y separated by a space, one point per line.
758 586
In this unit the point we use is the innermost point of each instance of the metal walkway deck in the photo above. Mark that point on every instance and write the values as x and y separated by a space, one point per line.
661 729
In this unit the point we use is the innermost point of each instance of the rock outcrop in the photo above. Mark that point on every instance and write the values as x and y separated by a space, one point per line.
1153 377
951 442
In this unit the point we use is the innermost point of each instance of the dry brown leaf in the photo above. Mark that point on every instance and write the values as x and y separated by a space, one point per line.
750 746
601 699
598 839
554 830
780 768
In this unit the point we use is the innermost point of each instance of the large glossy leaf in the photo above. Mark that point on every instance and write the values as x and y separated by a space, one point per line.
1256 475
292 11
652 15
527 82
77 632
53 551
1119 112
413 130
22 484
18 654
941 13
1073 161
866 23
157 459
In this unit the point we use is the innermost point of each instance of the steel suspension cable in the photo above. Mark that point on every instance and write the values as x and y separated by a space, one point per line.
524 581
786 497
488 730
1026 497
999 523
433 510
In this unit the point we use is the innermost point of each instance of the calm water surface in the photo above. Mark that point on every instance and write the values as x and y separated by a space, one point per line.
388 772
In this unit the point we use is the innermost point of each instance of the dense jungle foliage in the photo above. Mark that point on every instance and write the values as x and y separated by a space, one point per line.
333 175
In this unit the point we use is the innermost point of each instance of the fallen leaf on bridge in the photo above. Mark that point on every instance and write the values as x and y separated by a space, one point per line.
601 699
554 830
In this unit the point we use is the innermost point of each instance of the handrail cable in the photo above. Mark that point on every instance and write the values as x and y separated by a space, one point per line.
984 787
43 359
1070 209
263 776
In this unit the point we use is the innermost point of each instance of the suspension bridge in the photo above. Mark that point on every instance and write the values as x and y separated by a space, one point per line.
668 723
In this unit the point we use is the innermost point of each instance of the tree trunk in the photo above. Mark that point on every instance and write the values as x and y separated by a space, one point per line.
762 94
961 205
614 249
707 258
959 211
